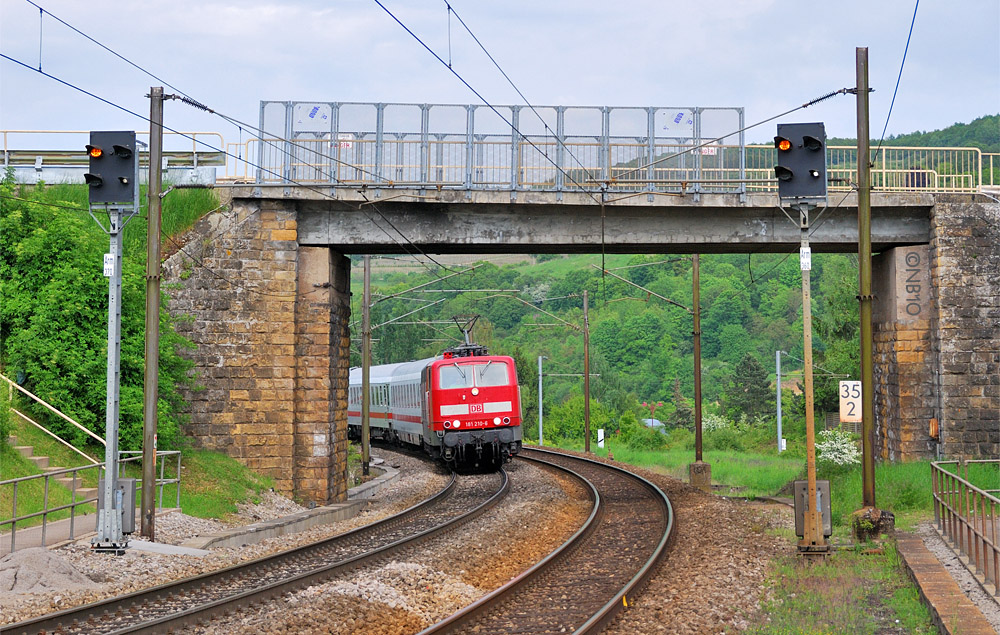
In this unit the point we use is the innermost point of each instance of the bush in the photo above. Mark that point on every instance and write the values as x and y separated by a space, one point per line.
53 320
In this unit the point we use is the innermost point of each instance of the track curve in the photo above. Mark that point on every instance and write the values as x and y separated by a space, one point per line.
582 586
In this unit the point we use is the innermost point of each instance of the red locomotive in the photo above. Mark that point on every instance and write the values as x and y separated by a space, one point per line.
463 407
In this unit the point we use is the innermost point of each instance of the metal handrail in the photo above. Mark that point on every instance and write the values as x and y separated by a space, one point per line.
54 436
967 516
13 384
74 504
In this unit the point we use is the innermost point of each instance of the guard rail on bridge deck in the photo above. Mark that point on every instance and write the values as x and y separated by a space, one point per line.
655 149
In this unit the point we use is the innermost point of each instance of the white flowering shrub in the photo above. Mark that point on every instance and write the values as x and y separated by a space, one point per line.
837 447
713 422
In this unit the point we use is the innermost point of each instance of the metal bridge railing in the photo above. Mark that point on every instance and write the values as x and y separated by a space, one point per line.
967 516
443 164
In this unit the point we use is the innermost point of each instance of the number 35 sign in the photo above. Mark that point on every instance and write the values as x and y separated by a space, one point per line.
850 401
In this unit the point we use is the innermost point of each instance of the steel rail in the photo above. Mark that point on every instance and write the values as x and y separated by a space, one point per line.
468 616
81 616
276 589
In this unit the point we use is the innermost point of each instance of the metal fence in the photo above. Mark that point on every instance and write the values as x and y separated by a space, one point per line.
83 504
552 148
967 516
559 149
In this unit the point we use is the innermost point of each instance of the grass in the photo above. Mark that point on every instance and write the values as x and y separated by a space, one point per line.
31 495
212 484
858 590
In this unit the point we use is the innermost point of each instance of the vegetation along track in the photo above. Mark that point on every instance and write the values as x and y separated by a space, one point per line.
186 602
581 586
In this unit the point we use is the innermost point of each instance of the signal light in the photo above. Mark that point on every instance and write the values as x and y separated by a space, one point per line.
112 167
801 171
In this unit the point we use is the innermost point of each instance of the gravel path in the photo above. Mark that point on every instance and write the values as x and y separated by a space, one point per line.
713 580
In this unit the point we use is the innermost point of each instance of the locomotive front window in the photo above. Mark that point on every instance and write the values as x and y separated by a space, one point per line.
490 373
453 376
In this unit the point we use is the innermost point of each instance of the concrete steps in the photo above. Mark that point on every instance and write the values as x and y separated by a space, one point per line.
42 463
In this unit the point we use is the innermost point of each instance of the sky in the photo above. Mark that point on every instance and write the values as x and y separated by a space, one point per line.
767 56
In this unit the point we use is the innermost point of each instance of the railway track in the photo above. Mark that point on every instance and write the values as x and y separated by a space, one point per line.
581 586
198 599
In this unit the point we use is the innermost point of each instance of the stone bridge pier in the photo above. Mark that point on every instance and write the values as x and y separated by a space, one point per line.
270 322
267 289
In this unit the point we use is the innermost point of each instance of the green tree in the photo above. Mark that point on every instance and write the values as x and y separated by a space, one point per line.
748 391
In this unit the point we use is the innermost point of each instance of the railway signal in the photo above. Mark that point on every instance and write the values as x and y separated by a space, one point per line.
801 162
111 178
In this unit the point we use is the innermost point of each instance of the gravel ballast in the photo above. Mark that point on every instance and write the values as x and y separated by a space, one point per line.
712 581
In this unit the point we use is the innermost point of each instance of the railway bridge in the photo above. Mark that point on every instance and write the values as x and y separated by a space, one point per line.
271 301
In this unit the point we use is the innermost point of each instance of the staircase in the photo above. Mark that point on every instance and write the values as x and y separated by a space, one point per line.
42 463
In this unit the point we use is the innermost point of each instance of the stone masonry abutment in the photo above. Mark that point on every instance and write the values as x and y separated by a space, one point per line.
269 320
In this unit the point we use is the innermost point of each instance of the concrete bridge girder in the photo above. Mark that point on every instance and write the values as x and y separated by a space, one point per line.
451 222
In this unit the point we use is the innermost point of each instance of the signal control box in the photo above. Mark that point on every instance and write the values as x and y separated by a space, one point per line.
802 504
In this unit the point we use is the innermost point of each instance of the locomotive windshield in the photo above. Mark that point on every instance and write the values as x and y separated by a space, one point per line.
491 373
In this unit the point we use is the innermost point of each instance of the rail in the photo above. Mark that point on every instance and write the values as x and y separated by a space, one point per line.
967 516
73 474
12 385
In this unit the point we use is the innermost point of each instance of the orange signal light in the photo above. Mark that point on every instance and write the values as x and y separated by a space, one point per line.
784 145
95 152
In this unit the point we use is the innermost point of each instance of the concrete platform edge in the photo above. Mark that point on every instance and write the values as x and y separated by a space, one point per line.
252 534
951 610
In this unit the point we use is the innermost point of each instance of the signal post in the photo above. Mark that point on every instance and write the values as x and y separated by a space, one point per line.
801 173
114 172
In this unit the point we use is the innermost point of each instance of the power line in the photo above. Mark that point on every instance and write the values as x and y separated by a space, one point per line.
210 146
898 77
511 82
485 101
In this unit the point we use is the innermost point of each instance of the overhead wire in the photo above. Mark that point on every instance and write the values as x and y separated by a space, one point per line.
487 103
263 134
263 169
898 77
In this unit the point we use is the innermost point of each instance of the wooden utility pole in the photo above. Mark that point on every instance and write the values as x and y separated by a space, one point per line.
812 539
696 332
865 286
151 384
586 376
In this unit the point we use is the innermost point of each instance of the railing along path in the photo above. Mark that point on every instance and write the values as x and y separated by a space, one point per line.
195 600
583 585
967 516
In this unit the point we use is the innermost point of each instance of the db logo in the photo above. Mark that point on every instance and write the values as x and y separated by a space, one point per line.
476 407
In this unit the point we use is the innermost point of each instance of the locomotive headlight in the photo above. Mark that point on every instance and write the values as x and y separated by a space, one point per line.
475 391
457 423
496 421
447 424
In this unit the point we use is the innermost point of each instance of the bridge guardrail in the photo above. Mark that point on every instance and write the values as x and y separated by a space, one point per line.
967 516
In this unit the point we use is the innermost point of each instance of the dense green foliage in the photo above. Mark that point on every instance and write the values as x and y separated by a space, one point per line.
641 346
982 133
53 314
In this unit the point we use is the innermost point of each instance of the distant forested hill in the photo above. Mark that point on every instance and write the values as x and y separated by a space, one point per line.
982 133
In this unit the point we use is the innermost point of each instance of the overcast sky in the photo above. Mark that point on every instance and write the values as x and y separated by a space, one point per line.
765 55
